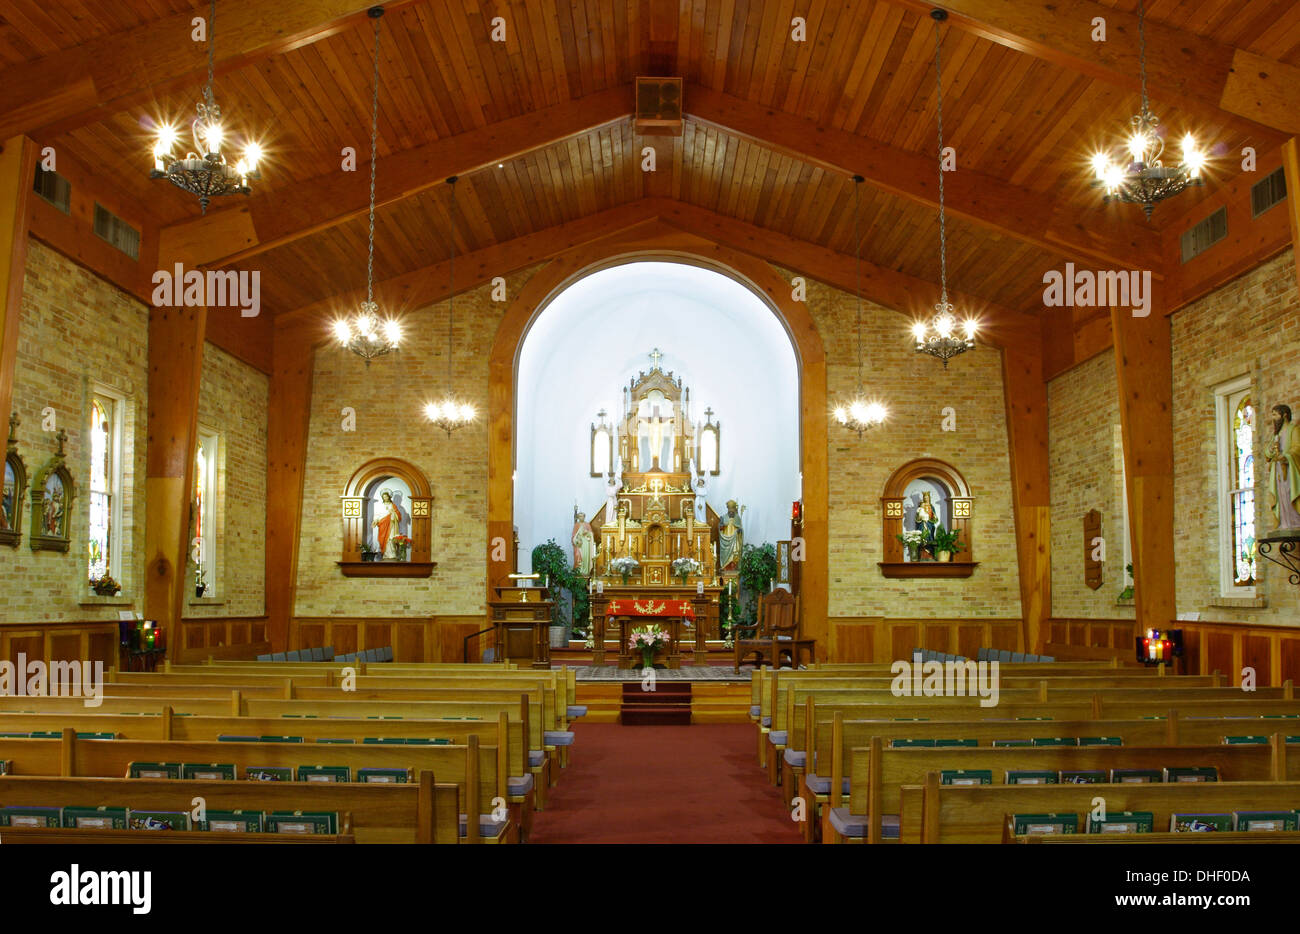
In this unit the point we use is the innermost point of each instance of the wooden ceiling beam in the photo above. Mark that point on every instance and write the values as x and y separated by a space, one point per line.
985 200
106 75
1183 69
280 216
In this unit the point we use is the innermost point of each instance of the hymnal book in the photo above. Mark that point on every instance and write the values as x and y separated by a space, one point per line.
385 740
1135 776
1200 823
1083 777
421 741
153 770
1055 741
910 743
389 776
1045 823
338 741
269 773
1033 718
158 820
1100 741
1245 740
907 719
280 739
96 736
324 773
312 822
15 735
966 777
1012 742
956 742
4 766
104 818
1031 777
237 739
13 816
215 771
1257 821
1206 773
1122 822
233 822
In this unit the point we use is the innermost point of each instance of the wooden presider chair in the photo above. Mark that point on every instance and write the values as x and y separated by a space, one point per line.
775 634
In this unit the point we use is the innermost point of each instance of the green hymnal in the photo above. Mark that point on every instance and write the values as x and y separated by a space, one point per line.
215 771
385 740
269 773
153 770
280 739
1012 742
1122 822
956 742
310 822
105 818
1135 776
337 741
911 743
1055 741
1045 823
1206 773
158 820
1200 823
1100 741
324 773
1245 740
389 776
233 822
1265 820
1083 777
31 817
1031 777
420 741
966 777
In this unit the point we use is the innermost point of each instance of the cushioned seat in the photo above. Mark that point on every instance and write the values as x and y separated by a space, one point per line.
855 825
795 758
487 827
574 711
767 721
517 785
558 737
536 758
821 784
777 737
755 710
783 638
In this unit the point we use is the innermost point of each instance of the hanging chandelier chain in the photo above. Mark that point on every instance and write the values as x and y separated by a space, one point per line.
212 47
1142 56
943 225
374 158
857 249
451 279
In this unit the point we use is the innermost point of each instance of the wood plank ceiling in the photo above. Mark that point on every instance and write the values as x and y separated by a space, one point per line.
866 68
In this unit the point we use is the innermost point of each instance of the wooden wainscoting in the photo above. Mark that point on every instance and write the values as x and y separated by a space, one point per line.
220 637
61 642
885 639
414 639
1113 635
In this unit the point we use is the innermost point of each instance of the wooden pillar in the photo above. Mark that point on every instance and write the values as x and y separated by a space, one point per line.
1026 406
175 364
1291 168
17 169
293 360
1144 368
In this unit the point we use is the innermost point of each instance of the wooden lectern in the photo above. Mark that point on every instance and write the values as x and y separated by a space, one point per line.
521 623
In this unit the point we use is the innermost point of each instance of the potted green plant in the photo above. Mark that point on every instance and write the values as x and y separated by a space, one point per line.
1127 592
946 543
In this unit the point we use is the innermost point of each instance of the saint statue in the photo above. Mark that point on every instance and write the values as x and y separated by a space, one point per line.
926 518
388 526
731 538
1283 456
584 545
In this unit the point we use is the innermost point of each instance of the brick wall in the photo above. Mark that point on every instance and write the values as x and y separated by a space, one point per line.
1085 451
1250 327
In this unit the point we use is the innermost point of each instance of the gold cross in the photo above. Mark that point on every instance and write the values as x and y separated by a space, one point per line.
655 357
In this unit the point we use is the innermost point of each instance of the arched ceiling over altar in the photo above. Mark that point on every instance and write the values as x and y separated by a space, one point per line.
725 345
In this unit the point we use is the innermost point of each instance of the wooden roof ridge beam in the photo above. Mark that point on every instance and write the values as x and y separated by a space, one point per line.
1183 69
275 217
981 199
889 288
108 74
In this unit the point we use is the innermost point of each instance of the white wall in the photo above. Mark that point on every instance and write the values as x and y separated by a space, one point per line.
722 340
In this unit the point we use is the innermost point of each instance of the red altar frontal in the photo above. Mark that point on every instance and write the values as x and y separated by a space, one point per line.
684 612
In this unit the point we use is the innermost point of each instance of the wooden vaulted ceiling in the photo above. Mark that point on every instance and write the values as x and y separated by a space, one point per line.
540 127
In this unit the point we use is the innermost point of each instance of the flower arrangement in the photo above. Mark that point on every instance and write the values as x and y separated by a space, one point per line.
912 540
648 640
685 567
625 566
401 543
105 586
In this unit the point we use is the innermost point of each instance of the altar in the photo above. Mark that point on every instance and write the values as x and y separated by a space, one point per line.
687 615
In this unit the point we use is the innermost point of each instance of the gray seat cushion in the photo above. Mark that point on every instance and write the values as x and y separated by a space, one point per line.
517 785
574 711
755 710
777 737
795 758
767 721
536 758
821 784
558 737
487 827
855 825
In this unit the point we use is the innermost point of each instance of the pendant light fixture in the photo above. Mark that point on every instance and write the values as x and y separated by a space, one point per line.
449 414
205 173
939 338
365 334
859 414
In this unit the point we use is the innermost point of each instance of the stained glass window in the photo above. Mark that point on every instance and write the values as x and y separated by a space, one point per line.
1242 492
102 412
200 504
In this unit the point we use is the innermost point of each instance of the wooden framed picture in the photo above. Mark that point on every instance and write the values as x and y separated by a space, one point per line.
11 498
53 491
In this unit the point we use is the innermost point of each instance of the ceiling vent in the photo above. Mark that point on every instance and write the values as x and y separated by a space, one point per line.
1205 234
110 227
1267 192
54 188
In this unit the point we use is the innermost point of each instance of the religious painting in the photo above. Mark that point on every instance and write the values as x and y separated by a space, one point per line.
388 519
11 499
52 495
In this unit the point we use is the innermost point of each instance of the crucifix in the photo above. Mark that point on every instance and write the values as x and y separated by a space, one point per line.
656 487
655 356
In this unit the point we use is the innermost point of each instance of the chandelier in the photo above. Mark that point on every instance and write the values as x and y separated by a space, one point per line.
366 335
205 172
1140 177
940 338
859 414
450 414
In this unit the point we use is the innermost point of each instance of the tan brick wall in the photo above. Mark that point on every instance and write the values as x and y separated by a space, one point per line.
1085 452
233 403
76 330
1250 327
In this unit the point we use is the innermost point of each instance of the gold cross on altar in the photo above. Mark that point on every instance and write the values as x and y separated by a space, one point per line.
656 486
655 356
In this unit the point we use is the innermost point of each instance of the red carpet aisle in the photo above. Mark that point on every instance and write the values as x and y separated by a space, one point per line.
664 784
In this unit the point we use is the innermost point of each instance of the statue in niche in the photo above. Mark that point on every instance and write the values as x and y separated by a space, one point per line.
1283 456
584 545
731 537
926 517
387 526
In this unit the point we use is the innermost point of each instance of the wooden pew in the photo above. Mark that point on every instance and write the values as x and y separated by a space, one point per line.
73 835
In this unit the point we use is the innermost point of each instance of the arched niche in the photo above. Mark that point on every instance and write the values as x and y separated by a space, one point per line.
951 497
412 498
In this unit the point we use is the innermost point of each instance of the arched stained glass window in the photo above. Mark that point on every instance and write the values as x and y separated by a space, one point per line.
1242 492
101 488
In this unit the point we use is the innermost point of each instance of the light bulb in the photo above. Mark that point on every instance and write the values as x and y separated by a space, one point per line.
858 409
1100 163
467 412
970 325
1192 157
1114 177
252 155
944 324
166 140
365 325
213 138
876 412
1137 147
918 331
841 415
342 331
392 332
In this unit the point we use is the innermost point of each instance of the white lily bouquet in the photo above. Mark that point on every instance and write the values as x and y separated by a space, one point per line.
626 566
684 567
912 539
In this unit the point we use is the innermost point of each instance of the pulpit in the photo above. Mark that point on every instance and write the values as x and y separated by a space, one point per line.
521 624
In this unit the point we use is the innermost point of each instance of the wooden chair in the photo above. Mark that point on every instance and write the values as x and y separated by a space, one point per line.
775 634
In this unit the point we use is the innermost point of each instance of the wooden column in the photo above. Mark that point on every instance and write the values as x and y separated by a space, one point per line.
1291 167
175 363
1026 406
1144 367
17 168
293 361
